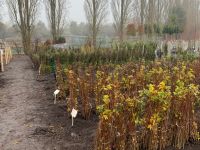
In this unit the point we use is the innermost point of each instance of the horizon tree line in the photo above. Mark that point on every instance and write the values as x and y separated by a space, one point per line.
154 17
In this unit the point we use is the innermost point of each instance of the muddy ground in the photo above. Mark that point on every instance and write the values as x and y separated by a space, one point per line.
30 121
28 118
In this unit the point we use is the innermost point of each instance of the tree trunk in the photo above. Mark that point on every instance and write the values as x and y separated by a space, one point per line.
94 25
142 5
26 40
53 20
151 18
122 23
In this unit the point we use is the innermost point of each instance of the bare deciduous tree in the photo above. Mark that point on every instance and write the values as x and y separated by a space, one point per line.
163 11
95 11
151 16
23 13
139 7
121 10
1 3
56 11
154 12
142 11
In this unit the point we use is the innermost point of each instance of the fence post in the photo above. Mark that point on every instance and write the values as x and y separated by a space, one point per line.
6 55
1 58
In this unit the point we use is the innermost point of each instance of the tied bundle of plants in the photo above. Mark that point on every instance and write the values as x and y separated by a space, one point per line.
185 97
61 81
157 101
72 100
84 93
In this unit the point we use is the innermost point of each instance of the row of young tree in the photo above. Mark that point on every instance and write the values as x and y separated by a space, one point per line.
23 13
152 16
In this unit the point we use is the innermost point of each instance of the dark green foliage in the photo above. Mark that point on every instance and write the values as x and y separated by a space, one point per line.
148 29
176 21
60 40
126 53
157 28
165 50
45 69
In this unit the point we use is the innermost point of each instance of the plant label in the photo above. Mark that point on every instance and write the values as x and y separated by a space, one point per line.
55 94
74 113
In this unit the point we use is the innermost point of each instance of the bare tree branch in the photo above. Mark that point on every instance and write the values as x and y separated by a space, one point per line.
122 11
56 12
95 11
22 13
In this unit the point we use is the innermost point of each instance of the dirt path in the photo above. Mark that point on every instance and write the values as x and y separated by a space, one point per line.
28 118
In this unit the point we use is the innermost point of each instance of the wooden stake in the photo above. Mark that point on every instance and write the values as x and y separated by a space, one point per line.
72 121
1 55
6 55
55 99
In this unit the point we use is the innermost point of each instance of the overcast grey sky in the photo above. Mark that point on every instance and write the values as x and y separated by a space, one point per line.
76 12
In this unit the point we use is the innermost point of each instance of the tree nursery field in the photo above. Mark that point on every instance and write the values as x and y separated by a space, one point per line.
133 102
99 75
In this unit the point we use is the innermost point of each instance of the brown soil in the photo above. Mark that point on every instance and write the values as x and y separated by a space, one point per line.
30 121
28 118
